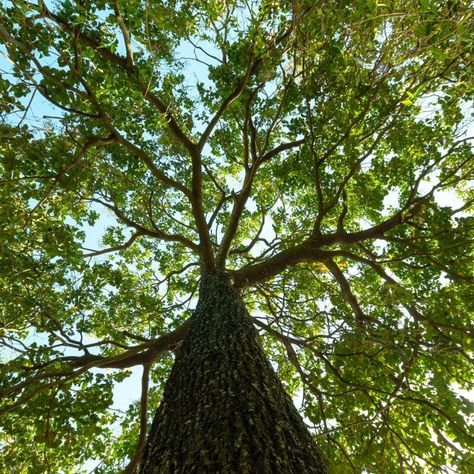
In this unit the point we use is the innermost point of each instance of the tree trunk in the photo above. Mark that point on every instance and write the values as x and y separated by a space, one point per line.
224 409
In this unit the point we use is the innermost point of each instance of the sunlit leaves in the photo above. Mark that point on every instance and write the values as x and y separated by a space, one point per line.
100 248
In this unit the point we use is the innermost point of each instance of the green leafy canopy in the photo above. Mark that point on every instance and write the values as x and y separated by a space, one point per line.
318 151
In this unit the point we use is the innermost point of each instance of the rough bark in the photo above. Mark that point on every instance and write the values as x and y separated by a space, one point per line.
224 409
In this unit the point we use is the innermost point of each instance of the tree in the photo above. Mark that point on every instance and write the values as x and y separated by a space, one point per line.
296 168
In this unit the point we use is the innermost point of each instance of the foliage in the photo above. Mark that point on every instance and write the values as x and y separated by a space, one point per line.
317 151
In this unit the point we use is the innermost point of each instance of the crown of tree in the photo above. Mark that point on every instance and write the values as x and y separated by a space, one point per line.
315 155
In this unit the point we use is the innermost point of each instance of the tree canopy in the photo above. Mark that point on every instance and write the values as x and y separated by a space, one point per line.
319 152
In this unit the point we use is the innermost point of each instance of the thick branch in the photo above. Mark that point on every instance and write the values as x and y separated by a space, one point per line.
242 197
366 234
310 250
237 209
205 246
138 355
305 252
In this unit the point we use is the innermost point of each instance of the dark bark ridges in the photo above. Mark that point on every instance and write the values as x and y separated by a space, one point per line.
224 409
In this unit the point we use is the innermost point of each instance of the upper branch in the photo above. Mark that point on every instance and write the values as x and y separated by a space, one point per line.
116 248
283 147
347 293
242 197
238 208
126 64
144 231
205 245
91 143
155 171
251 69
126 36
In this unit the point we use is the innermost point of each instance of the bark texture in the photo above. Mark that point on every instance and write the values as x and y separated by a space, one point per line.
224 409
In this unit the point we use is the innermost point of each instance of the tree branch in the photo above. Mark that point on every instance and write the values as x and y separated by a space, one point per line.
251 69
126 36
347 293
92 142
310 250
116 248
123 63
144 231
305 252
138 355
242 197
130 469
155 171
205 245
237 209
283 147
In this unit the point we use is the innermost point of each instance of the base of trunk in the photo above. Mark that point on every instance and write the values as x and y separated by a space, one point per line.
224 409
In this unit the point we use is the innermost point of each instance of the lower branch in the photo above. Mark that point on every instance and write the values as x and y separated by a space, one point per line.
138 355
132 466
142 354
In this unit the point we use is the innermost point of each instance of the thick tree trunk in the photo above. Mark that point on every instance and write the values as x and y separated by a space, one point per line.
224 409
